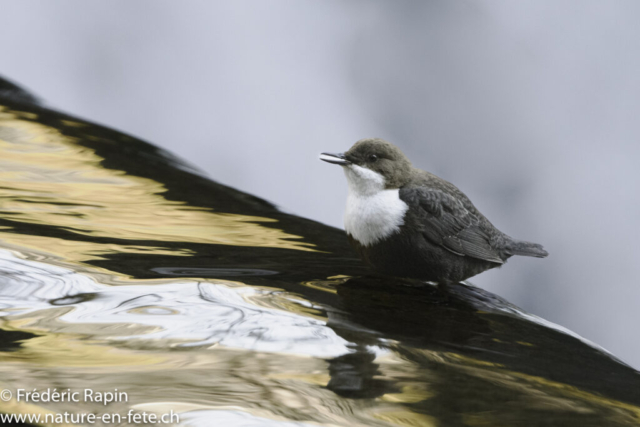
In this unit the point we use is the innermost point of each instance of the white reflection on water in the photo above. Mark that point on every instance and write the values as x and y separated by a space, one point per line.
232 418
184 313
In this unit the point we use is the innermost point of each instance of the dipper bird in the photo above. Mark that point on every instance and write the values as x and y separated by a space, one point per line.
407 222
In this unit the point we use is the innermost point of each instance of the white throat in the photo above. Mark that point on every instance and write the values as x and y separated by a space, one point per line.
373 213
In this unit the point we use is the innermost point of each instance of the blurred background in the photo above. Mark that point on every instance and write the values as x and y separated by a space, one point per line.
530 107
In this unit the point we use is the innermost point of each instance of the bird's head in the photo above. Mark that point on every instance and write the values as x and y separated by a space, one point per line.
372 165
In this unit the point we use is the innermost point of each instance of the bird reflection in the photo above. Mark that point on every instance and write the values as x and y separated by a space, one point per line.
464 331
356 375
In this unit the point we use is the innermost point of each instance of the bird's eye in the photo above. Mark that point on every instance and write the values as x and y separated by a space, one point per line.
373 158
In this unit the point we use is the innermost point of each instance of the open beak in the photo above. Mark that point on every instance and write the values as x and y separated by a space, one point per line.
335 158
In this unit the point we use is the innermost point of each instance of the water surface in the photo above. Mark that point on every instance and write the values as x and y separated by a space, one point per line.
123 268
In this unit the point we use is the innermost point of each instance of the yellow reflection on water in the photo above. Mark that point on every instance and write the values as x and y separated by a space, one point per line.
46 178
62 350
407 419
78 251
273 386
540 393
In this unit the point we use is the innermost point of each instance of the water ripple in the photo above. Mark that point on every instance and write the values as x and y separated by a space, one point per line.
184 313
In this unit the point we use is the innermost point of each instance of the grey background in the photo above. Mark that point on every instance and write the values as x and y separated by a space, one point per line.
530 107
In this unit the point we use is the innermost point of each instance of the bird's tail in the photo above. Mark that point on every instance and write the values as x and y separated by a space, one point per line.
519 247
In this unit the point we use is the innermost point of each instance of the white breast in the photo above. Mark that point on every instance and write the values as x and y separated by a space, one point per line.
373 213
